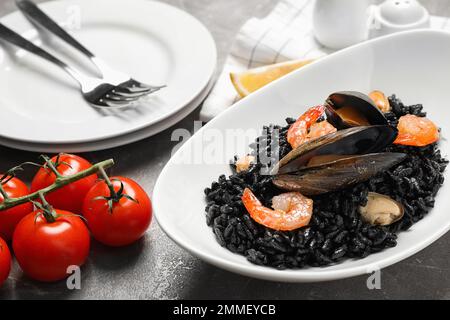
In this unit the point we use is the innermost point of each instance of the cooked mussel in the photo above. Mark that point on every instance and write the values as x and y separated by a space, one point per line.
337 174
381 210
337 160
347 109
351 141
380 100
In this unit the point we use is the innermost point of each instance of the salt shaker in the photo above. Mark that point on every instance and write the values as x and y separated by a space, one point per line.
341 23
398 15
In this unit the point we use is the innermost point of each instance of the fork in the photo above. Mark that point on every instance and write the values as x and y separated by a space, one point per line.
132 87
95 91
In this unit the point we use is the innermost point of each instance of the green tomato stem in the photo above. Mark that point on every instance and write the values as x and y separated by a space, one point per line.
108 182
52 167
3 193
58 184
48 212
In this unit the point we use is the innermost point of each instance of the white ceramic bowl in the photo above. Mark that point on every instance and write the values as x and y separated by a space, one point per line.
414 65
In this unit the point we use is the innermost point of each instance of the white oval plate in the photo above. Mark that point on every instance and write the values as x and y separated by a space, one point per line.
153 42
414 65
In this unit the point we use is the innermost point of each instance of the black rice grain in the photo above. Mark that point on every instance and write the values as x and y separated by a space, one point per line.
336 230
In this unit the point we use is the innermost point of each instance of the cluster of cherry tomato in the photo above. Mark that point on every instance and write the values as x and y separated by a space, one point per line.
46 242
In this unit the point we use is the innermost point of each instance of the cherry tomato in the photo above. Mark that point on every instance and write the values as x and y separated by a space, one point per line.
5 261
126 222
44 250
9 218
70 197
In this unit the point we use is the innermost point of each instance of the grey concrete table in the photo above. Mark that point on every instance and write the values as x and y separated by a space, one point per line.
155 268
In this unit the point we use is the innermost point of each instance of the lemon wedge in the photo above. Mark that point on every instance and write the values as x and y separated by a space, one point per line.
251 80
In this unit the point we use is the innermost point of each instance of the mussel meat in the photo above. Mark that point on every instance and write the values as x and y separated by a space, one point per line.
347 109
380 100
381 210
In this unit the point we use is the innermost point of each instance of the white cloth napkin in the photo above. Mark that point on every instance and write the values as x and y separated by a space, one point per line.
285 34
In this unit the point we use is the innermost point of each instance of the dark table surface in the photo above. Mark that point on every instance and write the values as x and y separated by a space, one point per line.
156 268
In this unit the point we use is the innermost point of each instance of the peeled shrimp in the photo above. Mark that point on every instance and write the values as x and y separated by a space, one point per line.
319 129
243 164
416 131
290 211
307 128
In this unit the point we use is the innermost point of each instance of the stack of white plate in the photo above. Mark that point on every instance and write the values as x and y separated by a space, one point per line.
41 108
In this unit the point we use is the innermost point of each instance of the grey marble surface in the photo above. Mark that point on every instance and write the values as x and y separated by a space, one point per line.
155 268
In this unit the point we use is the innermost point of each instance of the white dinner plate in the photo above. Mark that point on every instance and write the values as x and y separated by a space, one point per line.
112 142
414 65
153 42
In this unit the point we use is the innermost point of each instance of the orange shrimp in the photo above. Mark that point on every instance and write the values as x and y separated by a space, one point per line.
319 129
298 132
416 131
291 211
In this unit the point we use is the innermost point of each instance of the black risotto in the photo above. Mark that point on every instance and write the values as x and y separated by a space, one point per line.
336 231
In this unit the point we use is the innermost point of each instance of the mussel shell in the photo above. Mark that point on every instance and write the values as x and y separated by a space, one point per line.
338 174
359 102
351 141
